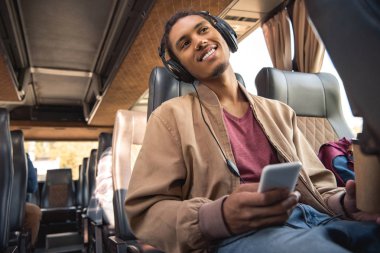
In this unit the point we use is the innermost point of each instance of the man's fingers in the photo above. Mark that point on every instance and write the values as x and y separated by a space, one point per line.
247 210
350 188
284 207
281 208
263 199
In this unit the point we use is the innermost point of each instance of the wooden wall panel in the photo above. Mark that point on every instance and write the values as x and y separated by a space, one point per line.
132 78
8 90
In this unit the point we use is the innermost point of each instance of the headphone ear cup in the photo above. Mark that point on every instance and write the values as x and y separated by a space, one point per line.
179 71
227 33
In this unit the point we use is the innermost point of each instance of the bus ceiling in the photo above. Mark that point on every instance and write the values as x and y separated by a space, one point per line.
77 62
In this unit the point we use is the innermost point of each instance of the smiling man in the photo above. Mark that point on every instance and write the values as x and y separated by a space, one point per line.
194 185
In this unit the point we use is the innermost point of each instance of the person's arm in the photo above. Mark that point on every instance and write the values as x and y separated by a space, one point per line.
155 205
32 185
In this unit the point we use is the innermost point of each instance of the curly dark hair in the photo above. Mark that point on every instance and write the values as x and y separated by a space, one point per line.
165 45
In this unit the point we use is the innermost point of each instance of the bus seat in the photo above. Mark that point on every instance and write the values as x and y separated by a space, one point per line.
18 190
79 188
19 180
58 190
84 183
91 172
129 130
6 178
84 200
315 97
354 50
96 228
58 205
163 86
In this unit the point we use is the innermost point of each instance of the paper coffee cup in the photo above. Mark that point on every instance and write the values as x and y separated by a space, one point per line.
367 178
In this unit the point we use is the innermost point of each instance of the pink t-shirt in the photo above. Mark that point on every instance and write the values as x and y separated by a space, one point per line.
250 146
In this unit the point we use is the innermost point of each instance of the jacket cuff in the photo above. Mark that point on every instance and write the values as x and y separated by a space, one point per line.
336 204
211 221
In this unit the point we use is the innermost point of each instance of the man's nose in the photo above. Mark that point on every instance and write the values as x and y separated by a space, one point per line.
202 43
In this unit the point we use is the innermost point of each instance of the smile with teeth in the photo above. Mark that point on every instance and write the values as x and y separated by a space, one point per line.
212 50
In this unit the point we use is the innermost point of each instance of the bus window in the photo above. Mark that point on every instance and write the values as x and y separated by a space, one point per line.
252 56
354 122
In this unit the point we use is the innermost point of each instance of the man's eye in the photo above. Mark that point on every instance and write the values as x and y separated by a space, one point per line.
185 44
204 29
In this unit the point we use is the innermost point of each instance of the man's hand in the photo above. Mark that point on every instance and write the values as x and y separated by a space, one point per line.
350 205
246 209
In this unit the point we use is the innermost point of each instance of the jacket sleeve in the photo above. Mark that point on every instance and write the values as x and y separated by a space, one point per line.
156 207
322 178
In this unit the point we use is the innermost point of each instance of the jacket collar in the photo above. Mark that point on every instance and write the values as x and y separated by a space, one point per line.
210 100
209 97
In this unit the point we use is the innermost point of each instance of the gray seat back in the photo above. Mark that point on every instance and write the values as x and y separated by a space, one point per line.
19 181
91 172
6 178
58 190
314 97
83 181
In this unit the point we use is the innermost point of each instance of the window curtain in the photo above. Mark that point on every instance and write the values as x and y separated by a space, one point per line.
309 51
277 36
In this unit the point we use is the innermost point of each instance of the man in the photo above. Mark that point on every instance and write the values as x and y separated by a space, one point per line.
32 212
185 194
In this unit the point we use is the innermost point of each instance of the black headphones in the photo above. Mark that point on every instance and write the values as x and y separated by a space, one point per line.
175 67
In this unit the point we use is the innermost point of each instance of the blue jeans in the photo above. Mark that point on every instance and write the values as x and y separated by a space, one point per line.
307 230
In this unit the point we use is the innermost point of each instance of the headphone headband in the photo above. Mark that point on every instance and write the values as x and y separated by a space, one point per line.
175 67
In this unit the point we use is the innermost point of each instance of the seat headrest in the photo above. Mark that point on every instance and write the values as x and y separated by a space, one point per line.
309 94
58 190
58 176
163 86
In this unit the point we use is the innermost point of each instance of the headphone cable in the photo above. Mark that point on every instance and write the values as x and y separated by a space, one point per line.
231 166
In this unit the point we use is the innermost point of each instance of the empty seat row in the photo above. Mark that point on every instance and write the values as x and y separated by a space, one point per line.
13 182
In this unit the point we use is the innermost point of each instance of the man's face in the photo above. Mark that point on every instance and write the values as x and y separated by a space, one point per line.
199 47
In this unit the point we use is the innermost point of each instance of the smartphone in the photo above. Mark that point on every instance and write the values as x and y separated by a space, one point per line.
281 175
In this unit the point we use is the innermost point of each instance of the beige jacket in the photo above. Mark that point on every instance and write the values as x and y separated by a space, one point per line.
180 167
